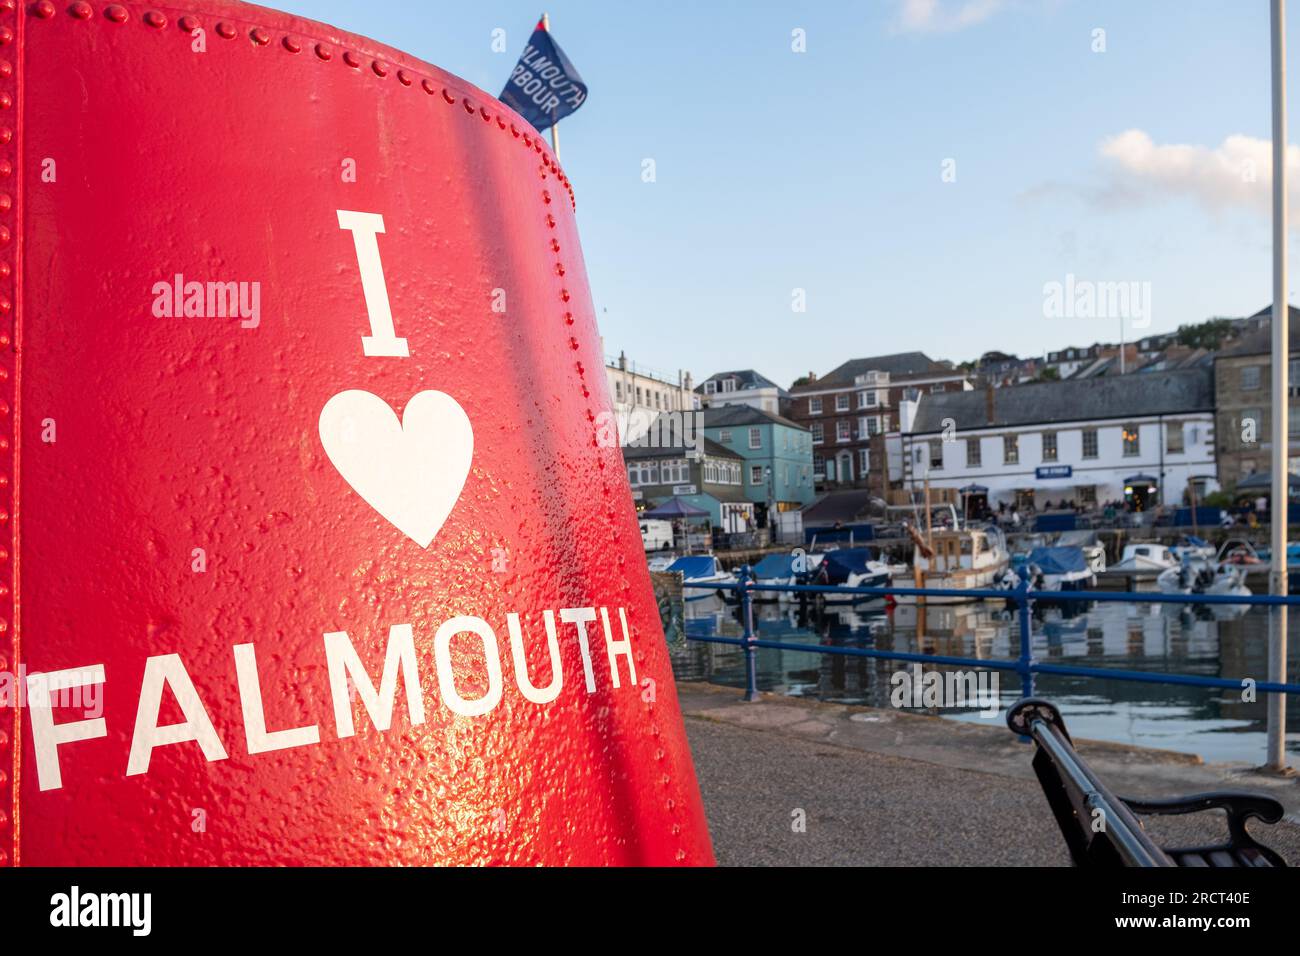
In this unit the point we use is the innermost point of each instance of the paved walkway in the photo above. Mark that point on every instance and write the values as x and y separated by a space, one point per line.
884 788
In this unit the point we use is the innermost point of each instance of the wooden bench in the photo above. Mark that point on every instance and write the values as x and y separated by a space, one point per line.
1102 829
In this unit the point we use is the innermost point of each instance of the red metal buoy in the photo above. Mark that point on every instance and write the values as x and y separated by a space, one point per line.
310 552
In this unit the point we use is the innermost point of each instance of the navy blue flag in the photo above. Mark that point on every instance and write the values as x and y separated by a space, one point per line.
544 87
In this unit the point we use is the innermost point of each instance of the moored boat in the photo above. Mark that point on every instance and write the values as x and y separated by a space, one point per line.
968 560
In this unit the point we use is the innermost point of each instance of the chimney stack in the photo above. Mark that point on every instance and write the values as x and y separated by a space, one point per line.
989 405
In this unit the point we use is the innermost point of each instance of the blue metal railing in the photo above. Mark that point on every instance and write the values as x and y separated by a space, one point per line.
1024 665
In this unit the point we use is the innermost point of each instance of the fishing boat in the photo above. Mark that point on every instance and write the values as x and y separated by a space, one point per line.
967 560
1059 569
1146 556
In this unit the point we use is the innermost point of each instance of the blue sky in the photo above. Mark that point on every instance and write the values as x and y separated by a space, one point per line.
822 170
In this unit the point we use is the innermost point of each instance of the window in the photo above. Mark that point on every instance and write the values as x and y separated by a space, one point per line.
1175 443
618 391
1010 450
724 436
710 388
862 399
1293 378
862 427
873 425
638 394
972 452
1250 378
843 431
872 399
818 435
819 466
1090 443
728 384
755 474
1049 446
814 406
756 438
864 459
1132 441
936 455
633 474
911 394
841 403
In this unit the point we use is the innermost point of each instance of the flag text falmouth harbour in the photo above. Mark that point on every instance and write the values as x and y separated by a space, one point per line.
544 86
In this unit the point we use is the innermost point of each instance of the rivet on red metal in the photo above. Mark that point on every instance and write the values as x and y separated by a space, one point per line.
116 13
155 19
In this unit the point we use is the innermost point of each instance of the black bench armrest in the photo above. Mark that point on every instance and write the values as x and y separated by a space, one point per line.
1239 807
1076 796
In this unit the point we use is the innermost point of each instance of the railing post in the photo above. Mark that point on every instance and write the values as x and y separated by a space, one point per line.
1025 661
747 621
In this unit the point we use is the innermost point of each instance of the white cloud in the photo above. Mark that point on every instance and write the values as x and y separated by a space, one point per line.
939 16
1236 174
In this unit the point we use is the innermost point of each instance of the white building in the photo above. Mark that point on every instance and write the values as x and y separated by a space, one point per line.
1141 438
743 387
641 395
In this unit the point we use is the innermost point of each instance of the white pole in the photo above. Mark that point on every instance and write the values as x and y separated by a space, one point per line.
1276 757
555 127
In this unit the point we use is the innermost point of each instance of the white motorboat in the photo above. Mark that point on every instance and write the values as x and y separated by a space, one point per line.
1190 546
1199 576
1146 556
703 569
1223 574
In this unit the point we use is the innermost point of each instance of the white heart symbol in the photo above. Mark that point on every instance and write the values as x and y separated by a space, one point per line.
411 471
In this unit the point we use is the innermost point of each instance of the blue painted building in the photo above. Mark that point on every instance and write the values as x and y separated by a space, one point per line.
777 454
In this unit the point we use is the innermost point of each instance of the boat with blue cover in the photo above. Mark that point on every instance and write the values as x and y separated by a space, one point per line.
1059 569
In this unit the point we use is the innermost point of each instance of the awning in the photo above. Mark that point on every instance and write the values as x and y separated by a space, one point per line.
1141 480
973 490
1263 481
675 508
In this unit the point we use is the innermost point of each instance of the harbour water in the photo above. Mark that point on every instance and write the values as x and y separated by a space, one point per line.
1215 724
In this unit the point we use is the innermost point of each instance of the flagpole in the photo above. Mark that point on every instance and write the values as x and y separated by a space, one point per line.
1279 505
555 127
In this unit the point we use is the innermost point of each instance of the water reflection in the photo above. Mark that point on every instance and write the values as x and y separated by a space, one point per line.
1216 724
